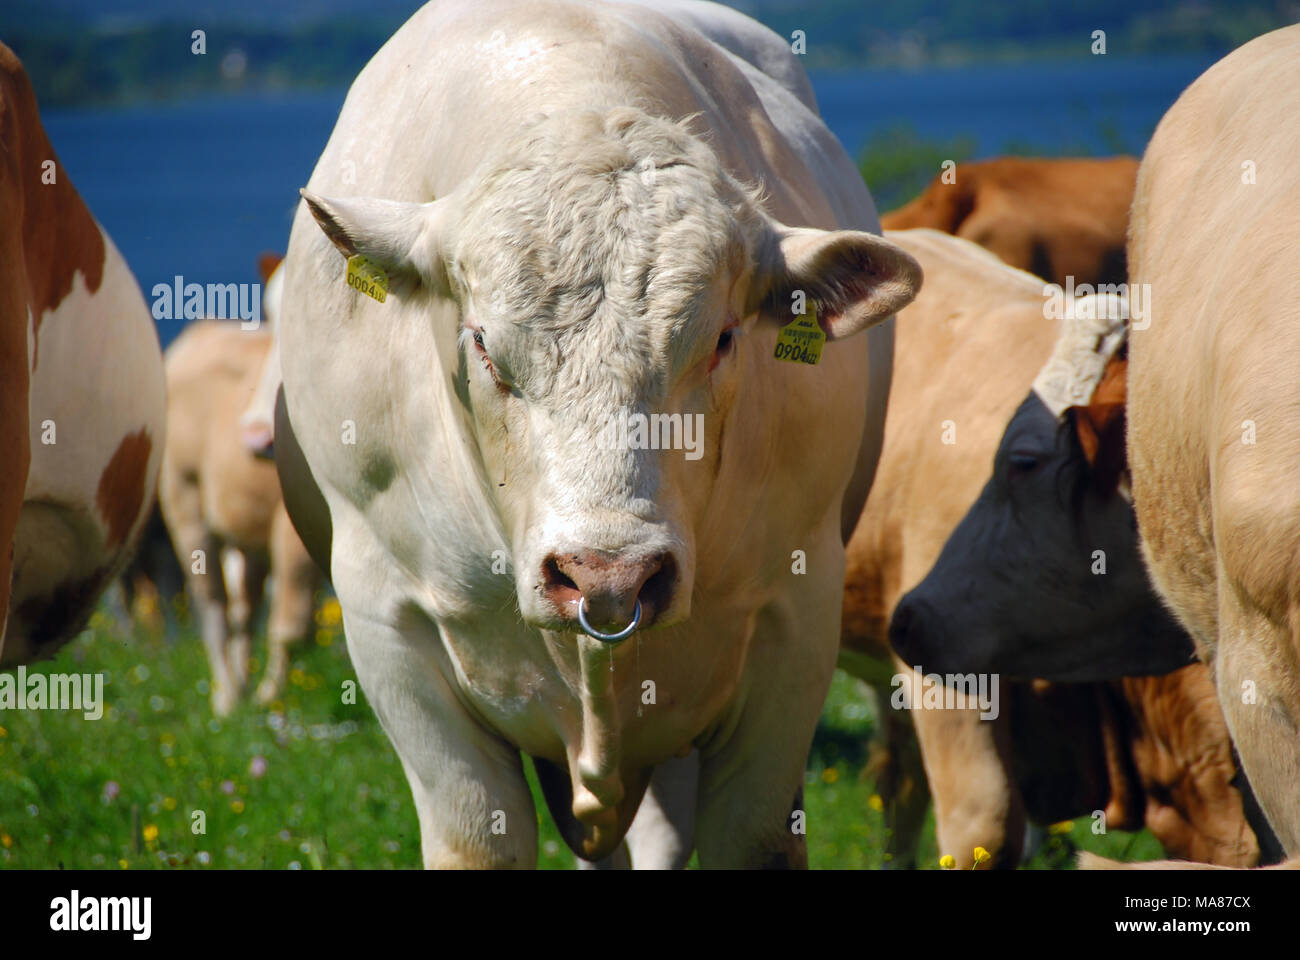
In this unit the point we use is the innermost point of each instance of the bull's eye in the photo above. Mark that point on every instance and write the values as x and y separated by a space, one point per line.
481 348
726 340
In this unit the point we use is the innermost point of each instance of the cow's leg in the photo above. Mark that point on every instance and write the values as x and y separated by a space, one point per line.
199 554
244 574
751 783
1259 690
208 599
899 771
292 603
472 799
662 836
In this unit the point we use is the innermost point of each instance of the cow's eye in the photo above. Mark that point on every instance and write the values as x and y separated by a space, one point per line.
726 340
1023 462
481 348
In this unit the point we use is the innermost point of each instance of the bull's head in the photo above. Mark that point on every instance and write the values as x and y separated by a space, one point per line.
1043 576
609 276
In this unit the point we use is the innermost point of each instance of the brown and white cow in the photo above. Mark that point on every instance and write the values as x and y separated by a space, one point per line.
225 513
1147 750
81 392
1055 218
1214 389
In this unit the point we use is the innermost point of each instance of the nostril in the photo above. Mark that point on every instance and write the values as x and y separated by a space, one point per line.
900 630
657 592
553 576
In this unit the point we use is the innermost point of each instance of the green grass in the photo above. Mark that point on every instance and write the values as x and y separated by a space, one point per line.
313 783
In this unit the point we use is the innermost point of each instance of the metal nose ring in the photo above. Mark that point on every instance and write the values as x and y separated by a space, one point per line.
591 631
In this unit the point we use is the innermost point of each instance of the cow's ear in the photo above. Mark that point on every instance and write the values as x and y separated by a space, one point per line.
856 280
1100 425
406 239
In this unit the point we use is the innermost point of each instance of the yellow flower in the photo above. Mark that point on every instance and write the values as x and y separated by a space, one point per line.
948 861
150 833
830 774
875 802
237 805
124 865
981 855
169 803
6 841
330 613
3 732
1065 826
324 638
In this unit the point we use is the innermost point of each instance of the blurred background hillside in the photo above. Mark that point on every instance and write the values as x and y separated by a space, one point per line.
100 51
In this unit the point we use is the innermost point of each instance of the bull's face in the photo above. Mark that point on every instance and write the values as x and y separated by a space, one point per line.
1043 578
609 277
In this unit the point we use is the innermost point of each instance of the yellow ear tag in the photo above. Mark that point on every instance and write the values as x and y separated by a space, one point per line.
801 340
367 277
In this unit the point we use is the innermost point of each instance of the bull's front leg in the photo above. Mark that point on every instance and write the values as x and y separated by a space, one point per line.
470 793
751 784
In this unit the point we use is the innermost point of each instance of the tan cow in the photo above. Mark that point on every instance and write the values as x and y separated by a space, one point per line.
81 392
224 511
1150 750
1054 218
1214 386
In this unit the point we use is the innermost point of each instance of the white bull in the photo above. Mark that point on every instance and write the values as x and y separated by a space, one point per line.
598 253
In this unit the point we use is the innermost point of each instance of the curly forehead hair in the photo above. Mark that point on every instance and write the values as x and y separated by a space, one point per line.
587 208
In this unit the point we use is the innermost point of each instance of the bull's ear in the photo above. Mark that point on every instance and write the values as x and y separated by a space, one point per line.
406 239
856 280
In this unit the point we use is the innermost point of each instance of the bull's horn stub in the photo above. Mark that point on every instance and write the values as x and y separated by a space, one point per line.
1093 330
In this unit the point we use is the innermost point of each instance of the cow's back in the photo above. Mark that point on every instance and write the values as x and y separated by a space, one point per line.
81 360
1058 219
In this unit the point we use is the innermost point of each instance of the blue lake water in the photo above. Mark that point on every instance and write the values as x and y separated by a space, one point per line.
200 188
